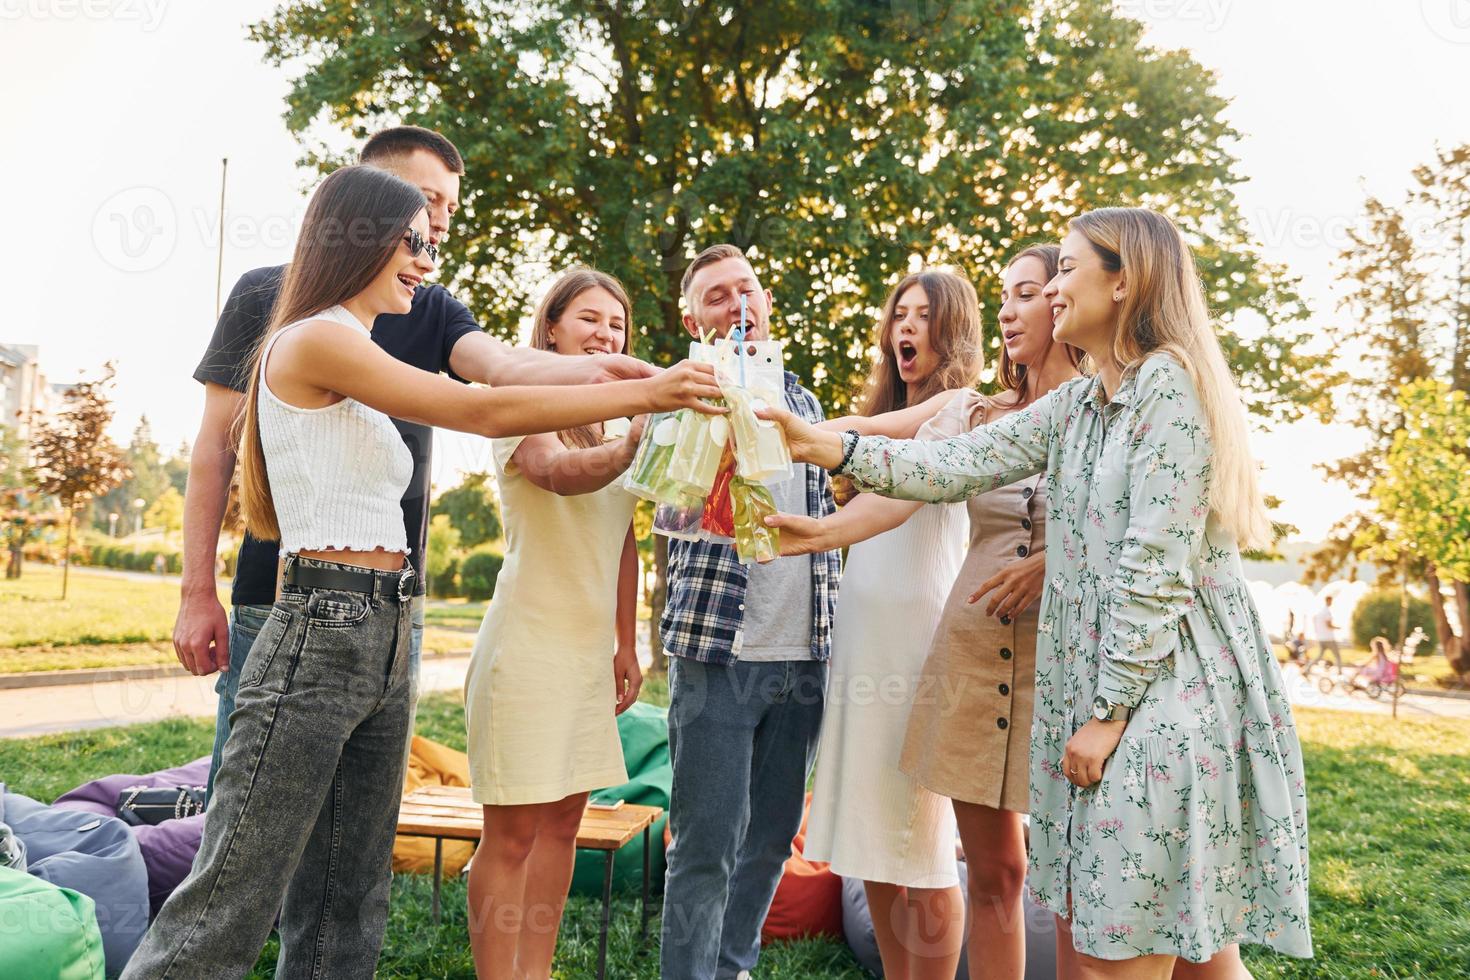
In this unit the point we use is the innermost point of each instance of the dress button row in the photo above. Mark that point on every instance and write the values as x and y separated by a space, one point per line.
1005 689
1001 723
1005 653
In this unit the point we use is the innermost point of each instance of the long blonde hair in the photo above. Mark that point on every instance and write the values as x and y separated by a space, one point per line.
351 230
954 333
1163 309
573 283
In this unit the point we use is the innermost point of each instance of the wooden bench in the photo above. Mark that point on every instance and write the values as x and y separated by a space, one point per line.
448 813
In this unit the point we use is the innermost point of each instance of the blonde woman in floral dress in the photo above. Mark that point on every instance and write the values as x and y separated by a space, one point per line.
1168 801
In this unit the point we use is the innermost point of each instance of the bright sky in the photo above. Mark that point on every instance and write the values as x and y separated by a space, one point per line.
119 111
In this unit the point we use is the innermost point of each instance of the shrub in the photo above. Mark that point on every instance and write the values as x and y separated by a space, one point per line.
1378 615
444 584
479 571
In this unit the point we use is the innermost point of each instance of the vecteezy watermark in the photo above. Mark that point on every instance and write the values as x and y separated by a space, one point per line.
1211 13
1448 19
148 13
136 229
1276 227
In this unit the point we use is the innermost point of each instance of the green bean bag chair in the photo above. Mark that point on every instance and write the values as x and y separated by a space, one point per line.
644 730
53 933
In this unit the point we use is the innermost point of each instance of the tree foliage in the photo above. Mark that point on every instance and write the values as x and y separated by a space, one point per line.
1407 273
471 509
1423 490
841 142
74 457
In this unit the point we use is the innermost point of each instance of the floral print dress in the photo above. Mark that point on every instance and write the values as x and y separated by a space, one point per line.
1196 837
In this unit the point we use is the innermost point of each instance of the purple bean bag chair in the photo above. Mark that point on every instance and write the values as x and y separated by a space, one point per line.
857 928
91 854
168 848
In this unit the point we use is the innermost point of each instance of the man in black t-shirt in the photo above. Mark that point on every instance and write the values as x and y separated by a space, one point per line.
438 334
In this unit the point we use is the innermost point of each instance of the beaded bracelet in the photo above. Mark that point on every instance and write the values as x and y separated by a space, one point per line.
849 446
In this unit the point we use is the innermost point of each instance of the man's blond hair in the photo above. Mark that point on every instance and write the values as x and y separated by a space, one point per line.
711 255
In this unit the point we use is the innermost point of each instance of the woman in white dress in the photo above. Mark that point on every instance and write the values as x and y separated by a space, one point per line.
869 819
969 738
554 662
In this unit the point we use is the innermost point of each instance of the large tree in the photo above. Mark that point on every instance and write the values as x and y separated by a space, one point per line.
841 142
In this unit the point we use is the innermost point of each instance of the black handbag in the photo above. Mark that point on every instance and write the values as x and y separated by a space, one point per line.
140 806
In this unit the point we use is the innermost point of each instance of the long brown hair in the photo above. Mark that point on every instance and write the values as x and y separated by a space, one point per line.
1010 375
954 333
351 230
573 283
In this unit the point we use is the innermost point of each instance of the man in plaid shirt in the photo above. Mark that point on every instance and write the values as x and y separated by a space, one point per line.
747 680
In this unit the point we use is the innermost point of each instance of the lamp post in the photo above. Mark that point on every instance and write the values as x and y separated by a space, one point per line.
138 505
112 524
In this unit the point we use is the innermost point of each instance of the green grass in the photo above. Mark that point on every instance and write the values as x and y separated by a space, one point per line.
1389 815
98 609
1390 822
457 614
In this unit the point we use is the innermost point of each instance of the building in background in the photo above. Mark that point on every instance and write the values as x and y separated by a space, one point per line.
24 391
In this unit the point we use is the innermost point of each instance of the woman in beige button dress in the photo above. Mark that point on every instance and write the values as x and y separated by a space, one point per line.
968 734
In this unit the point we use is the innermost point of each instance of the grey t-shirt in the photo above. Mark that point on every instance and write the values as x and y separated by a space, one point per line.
778 596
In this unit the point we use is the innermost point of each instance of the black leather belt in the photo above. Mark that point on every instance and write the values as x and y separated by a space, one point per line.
389 585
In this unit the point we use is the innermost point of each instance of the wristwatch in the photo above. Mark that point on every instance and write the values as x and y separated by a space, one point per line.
1105 710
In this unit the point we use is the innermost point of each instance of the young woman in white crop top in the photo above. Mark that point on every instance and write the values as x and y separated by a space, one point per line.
304 808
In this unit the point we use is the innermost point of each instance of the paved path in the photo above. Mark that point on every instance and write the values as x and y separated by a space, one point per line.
37 711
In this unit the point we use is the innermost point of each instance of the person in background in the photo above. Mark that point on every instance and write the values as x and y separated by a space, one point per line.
1324 631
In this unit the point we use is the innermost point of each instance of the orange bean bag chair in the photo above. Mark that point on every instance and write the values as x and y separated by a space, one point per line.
432 764
808 899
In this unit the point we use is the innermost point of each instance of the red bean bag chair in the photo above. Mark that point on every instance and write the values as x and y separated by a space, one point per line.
808 900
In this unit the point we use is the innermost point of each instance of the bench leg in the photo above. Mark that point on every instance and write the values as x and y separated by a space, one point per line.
647 875
438 873
607 877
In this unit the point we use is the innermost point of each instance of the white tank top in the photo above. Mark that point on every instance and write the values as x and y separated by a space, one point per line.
338 473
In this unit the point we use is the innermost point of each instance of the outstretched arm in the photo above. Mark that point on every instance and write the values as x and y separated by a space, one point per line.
337 358
866 517
964 466
481 357
551 465
903 423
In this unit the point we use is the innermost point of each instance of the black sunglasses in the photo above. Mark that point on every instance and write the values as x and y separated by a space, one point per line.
417 244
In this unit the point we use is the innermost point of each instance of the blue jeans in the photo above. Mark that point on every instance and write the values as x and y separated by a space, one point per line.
245 624
742 739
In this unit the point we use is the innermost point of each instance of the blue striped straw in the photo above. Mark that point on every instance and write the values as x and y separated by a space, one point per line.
742 339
